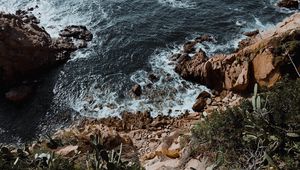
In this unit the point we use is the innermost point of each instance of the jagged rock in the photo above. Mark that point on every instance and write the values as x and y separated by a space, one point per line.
244 43
138 120
137 90
189 46
288 4
26 49
251 33
204 38
263 61
237 77
78 32
265 72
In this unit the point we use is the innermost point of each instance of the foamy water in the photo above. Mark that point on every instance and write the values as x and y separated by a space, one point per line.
178 3
133 38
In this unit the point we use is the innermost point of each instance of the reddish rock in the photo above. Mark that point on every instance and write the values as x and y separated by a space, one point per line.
189 46
265 71
204 95
199 105
263 61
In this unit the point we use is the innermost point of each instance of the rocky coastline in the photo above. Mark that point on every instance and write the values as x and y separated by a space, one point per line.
264 58
27 51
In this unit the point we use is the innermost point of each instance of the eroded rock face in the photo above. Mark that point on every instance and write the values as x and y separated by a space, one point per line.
264 59
26 48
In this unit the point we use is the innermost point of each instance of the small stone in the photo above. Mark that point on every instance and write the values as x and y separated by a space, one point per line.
152 77
218 99
137 90
195 164
67 151
208 101
225 100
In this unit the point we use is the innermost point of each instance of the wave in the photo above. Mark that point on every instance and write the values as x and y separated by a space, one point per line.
55 15
178 3
169 95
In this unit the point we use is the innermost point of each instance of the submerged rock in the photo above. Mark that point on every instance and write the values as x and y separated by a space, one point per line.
78 32
137 90
19 94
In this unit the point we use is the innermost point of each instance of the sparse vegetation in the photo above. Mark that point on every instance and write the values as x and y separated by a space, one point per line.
98 158
260 134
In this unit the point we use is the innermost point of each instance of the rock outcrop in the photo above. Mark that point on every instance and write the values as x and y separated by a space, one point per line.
26 48
264 59
289 4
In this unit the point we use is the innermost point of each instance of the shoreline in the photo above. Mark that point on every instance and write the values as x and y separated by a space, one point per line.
146 139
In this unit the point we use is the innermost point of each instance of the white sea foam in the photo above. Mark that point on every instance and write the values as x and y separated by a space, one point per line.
55 16
169 95
178 3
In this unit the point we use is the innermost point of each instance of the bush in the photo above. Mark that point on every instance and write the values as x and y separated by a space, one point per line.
258 134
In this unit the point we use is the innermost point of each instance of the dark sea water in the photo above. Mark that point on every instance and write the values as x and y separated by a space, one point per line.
132 38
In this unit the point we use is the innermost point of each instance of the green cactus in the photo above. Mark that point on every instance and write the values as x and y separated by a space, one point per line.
256 99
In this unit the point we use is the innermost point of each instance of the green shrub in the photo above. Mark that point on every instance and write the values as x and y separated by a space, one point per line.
255 137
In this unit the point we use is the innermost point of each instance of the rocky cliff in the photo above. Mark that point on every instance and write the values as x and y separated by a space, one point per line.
263 58
26 49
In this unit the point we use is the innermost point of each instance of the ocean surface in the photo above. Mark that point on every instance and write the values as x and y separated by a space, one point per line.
132 38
